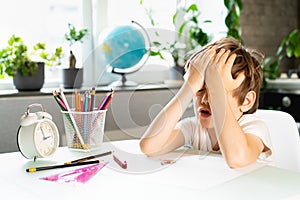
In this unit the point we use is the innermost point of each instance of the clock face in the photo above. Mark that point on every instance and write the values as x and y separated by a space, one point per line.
45 138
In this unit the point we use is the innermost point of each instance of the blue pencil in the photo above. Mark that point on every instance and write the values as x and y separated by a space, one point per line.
86 105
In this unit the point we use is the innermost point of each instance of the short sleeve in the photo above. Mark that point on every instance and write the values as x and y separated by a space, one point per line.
251 124
187 127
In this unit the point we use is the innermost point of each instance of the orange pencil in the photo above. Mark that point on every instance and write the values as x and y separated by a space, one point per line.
76 101
89 103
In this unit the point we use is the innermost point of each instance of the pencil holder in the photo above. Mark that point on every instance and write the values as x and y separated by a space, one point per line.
84 130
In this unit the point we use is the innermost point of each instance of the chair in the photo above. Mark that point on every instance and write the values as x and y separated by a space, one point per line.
285 138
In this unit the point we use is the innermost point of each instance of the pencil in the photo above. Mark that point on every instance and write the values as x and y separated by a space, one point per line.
93 92
61 166
59 102
77 101
71 116
86 104
103 101
104 104
89 157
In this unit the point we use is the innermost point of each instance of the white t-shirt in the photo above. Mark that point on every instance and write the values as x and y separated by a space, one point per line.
198 137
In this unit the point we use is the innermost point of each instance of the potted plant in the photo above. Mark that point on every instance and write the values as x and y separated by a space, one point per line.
26 68
73 76
289 47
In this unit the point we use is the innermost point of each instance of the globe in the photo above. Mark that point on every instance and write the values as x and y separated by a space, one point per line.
125 51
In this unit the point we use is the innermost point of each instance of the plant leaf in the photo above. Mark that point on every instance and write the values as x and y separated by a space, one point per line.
192 7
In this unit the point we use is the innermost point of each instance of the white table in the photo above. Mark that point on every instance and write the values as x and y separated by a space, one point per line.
192 176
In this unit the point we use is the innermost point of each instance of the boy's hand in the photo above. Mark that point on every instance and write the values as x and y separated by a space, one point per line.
224 63
197 68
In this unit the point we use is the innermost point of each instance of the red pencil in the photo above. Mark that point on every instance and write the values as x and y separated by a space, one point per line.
105 102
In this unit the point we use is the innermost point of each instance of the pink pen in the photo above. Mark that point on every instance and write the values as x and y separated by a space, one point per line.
120 163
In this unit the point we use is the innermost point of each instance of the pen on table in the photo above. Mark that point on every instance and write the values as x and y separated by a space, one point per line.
89 157
61 166
120 163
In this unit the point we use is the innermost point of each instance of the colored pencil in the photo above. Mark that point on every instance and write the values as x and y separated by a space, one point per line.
35 169
93 92
59 102
105 102
89 157
72 118
86 104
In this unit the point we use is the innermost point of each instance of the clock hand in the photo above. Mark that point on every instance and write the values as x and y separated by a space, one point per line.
44 137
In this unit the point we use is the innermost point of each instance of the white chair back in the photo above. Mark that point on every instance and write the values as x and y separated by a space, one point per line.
285 138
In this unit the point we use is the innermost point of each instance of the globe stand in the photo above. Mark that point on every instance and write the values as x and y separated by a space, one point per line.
123 82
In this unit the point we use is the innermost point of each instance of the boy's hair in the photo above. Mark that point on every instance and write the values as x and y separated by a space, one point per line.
247 62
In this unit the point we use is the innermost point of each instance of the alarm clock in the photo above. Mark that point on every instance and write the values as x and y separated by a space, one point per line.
37 136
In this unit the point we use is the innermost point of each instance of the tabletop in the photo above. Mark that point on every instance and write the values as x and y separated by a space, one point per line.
189 174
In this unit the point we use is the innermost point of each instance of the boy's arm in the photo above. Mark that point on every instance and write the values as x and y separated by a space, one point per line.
238 148
162 136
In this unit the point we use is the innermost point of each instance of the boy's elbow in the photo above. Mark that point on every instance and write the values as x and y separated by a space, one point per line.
145 148
238 160
235 164
150 149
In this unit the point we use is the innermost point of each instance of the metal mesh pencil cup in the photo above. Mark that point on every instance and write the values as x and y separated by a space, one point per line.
84 130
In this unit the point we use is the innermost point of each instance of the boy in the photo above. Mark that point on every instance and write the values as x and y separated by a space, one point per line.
224 80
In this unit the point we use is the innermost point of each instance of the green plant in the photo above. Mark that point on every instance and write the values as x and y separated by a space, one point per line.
16 56
50 59
289 47
291 44
232 19
73 36
196 37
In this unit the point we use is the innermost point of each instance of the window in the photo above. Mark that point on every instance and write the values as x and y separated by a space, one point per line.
47 21
40 21
111 13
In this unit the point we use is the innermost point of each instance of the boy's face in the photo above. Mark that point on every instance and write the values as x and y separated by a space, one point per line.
204 111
